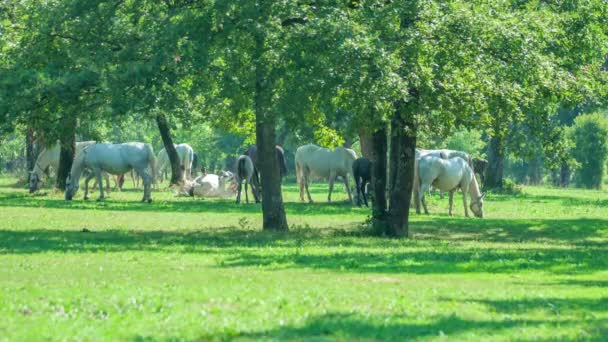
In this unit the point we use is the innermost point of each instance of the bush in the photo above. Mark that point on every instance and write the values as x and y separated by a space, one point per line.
590 136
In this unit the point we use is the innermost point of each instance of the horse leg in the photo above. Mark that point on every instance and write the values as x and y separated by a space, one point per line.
107 178
423 190
306 174
332 179
86 186
347 185
238 193
300 179
147 182
246 191
100 182
363 193
465 191
358 191
451 201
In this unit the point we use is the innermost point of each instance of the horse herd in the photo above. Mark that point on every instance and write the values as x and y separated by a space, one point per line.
446 170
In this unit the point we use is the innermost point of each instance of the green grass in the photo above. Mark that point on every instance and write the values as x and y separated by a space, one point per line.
181 268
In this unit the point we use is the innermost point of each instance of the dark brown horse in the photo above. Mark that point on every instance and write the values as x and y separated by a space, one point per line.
252 152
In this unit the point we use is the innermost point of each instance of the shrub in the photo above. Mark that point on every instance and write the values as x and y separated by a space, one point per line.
590 136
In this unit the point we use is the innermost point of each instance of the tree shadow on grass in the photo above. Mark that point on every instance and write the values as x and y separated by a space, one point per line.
562 199
349 326
192 205
578 232
551 305
304 248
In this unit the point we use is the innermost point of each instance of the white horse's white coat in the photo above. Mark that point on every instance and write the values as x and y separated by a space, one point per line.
115 159
449 175
324 163
186 156
209 185
49 159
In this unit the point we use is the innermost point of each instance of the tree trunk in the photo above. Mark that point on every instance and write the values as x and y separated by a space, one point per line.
402 159
378 183
496 159
365 140
177 174
535 170
273 210
30 151
67 144
564 176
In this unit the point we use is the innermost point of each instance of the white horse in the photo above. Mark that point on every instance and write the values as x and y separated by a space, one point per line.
209 185
322 162
49 159
114 159
449 175
445 154
186 156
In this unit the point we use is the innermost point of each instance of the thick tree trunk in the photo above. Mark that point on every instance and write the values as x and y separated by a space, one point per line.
365 140
177 174
496 165
273 210
379 147
67 144
402 159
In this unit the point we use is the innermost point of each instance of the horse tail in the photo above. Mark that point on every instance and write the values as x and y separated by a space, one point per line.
282 161
241 170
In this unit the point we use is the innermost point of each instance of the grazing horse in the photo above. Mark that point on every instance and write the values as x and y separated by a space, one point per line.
186 156
322 162
252 152
49 158
362 172
114 159
449 175
246 171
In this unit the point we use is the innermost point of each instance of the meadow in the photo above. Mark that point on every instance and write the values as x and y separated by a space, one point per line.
536 268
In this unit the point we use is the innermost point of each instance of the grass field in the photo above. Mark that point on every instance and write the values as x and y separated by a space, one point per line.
535 269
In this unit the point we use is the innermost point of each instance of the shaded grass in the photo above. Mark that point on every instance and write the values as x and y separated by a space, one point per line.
194 269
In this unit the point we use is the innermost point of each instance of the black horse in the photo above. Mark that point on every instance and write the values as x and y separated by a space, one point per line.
252 152
362 172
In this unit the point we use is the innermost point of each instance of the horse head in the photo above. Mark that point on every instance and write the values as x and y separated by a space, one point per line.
477 206
71 187
34 180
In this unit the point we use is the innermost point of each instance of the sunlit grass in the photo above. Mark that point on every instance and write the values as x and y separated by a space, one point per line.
186 268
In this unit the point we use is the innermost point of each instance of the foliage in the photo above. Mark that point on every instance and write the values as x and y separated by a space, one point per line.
590 136
184 268
461 139
12 147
